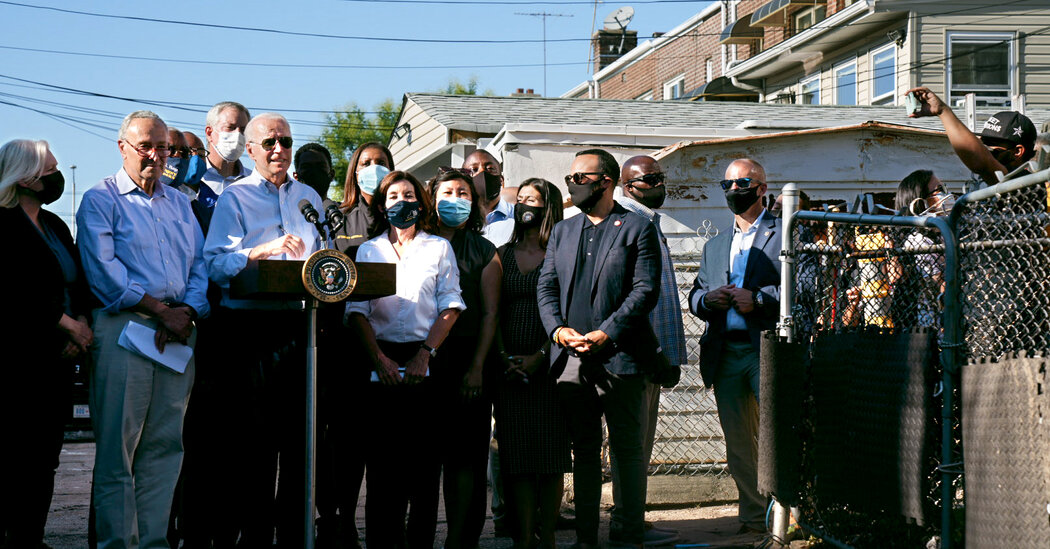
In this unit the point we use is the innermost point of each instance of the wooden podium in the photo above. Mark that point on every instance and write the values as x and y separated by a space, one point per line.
283 280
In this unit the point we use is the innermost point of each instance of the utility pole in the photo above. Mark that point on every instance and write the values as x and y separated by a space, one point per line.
544 15
73 212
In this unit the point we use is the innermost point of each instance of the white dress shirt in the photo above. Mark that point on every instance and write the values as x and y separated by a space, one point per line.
427 283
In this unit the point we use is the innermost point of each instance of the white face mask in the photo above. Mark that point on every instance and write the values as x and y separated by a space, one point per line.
230 145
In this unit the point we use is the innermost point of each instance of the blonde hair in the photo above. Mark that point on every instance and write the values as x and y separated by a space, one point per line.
20 160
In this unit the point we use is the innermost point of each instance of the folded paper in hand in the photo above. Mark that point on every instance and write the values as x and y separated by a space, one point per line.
139 339
401 370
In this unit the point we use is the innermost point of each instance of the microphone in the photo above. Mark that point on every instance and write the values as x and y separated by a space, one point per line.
308 211
333 215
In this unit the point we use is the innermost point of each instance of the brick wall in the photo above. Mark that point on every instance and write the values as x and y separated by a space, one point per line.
687 54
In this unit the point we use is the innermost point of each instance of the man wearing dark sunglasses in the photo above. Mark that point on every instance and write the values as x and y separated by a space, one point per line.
600 280
257 219
642 181
1006 141
737 292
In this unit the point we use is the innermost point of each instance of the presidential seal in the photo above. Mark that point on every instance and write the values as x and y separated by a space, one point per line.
329 276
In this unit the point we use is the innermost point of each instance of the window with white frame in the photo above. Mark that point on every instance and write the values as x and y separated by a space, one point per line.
808 17
884 75
647 96
845 84
982 64
809 90
710 70
675 88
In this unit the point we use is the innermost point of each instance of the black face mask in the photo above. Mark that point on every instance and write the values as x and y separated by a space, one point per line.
488 183
586 197
315 177
54 186
1004 157
528 216
740 200
650 198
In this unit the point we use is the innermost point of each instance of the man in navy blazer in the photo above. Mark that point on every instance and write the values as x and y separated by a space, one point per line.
738 293
599 281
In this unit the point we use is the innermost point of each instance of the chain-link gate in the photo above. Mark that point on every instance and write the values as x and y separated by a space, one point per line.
867 303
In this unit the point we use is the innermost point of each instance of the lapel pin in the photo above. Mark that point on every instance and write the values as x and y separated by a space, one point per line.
617 223
768 233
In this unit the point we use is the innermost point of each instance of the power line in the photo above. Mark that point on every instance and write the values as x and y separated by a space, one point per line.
419 40
286 65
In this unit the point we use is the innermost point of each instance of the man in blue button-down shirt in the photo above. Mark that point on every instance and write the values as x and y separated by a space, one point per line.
142 253
738 293
264 382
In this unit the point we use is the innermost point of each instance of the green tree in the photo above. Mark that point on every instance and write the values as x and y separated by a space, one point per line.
350 127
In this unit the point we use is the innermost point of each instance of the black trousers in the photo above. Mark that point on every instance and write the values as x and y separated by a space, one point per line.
257 368
403 465
35 403
587 392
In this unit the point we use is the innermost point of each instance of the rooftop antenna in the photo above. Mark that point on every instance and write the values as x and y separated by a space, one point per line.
544 15
618 20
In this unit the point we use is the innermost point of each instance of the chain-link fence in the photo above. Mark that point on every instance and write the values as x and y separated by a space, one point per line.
868 301
689 438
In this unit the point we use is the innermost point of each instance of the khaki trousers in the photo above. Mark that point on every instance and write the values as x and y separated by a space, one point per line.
137 411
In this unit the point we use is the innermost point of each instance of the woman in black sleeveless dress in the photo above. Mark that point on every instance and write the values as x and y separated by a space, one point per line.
533 436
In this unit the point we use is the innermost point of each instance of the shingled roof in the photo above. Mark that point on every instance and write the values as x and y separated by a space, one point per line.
488 114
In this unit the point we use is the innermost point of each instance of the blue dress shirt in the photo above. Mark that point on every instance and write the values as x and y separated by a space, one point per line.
133 244
499 224
251 212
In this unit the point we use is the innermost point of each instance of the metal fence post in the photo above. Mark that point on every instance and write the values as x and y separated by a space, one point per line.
785 326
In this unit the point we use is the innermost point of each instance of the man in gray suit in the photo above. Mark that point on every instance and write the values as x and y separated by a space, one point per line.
738 293
599 281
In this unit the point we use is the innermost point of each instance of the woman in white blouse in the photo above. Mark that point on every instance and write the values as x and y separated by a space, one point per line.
401 334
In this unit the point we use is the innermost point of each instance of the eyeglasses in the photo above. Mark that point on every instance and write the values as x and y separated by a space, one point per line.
269 143
145 151
651 179
198 151
580 178
742 183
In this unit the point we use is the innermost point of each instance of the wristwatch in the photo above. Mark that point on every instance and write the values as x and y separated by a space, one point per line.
759 300
433 352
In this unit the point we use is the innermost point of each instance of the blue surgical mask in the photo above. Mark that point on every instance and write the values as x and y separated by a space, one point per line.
192 173
368 178
403 214
454 211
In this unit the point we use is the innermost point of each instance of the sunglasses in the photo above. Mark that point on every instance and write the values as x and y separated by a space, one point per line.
742 183
270 142
580 178
651 179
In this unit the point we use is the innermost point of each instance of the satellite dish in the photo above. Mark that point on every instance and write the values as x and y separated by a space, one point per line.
619 19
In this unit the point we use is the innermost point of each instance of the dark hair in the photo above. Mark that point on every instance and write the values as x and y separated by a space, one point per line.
475 222
553 211
915 185
351 191
607 164
314 147
380 223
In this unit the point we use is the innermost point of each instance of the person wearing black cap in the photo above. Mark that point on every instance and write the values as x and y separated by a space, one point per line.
1005 143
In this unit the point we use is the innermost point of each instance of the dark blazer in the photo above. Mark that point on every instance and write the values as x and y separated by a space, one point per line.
33 283
762 273
626 287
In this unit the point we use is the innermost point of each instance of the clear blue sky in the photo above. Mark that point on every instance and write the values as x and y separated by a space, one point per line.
200 81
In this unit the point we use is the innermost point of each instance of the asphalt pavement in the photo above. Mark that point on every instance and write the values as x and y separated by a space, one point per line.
712 526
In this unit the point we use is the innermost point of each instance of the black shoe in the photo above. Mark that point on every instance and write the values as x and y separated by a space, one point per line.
500 529
565 522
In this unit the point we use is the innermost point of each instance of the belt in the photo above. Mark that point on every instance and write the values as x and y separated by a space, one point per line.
737 336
